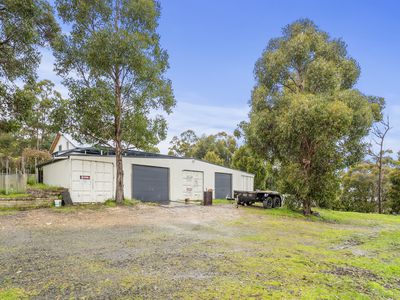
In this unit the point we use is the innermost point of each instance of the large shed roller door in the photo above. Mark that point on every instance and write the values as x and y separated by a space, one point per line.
223 185
150 183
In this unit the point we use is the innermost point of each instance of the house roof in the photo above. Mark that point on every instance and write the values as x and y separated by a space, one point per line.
69 138
54 143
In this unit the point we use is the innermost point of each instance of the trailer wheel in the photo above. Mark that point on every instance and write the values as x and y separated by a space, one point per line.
277 202
267 203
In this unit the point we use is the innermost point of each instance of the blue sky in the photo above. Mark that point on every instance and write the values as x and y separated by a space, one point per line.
213 46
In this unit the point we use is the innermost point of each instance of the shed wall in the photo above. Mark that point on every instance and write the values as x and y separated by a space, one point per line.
59 173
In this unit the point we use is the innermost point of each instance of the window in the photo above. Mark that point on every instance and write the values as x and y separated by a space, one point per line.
60 148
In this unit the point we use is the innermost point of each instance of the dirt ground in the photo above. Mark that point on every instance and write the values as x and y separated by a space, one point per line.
195 252
109 253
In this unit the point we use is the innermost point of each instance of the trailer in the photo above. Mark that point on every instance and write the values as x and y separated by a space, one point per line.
269 199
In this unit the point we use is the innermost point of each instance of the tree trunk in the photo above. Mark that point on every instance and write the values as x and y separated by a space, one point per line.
380 185
307 207
119 188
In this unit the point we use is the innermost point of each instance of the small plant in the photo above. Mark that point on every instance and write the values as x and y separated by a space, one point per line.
31 180
127 202
42 186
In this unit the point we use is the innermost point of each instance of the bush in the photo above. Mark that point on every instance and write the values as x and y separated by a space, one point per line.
292 203
31 180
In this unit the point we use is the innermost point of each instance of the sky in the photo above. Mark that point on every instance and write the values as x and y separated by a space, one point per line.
214 44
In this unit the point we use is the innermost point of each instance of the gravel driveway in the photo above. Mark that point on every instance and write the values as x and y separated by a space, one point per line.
142 251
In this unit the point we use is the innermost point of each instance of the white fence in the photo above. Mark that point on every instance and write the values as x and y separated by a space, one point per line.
13 183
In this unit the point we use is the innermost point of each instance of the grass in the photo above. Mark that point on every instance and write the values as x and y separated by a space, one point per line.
342 255
16 195
222 201
127 202
13 294
42 186
94 206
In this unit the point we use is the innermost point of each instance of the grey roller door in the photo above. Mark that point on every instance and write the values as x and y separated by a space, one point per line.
223 185
150 183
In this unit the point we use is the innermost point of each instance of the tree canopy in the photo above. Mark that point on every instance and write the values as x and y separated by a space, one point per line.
306 113
216 148
25 25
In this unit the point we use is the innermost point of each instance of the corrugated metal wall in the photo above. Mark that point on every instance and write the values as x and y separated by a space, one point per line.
223 185
150 183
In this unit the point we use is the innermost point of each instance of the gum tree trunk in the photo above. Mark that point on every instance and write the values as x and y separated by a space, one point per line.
119 187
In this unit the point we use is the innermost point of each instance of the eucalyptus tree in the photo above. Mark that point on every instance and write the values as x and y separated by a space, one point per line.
218 148
37 123
246 160
394 191
306 113
25 26
114 66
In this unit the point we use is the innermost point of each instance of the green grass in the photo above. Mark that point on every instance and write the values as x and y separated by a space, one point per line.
222 201
13 294
16 195
127 202
42 186
341 255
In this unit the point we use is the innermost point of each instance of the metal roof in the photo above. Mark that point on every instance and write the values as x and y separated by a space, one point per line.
91 151
110 152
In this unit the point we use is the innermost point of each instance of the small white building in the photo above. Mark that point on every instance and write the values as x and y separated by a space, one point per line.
89 174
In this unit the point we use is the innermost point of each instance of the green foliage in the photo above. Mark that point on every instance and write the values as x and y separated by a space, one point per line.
306 114
246 160
35 109
394 191
218 148
114 68
359 189
214 158
25 25
183 145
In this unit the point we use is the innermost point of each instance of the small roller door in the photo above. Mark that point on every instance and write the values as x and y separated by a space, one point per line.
223 185
192 184
150 183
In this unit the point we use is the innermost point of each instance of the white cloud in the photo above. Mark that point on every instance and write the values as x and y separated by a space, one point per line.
202 119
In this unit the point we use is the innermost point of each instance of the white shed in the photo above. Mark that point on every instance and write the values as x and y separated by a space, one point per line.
89 174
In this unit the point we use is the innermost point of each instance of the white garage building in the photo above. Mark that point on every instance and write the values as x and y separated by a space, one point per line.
89 174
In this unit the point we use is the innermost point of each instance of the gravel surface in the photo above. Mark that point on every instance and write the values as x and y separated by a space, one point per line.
142 251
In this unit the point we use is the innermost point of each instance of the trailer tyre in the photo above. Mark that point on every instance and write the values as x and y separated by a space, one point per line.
267 203
277 202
